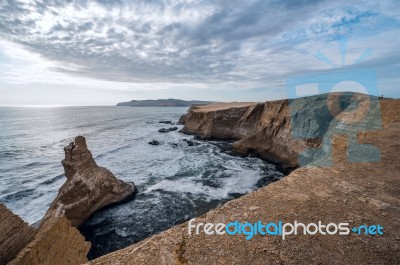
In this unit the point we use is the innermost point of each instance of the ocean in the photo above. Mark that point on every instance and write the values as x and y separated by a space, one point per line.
175 181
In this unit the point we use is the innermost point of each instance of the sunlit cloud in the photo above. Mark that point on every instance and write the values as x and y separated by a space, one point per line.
187 45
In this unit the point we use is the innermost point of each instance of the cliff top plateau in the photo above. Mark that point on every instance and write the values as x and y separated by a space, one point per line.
356 192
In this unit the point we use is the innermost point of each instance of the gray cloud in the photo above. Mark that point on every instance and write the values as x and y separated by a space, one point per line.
182 41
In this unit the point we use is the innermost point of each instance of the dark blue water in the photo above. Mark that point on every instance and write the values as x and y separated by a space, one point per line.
175 181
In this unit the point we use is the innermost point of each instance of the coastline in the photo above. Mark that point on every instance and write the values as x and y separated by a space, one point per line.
352 192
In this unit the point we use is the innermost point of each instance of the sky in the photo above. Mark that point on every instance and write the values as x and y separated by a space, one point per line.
103 52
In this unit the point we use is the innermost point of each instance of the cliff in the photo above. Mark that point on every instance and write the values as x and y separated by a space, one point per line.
354 192
57 242
88 186
15 234
280 131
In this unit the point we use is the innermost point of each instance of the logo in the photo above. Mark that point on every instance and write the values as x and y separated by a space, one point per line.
332 111
249 230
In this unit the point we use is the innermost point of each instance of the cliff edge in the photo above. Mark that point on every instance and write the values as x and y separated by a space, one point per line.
57 240
15 234
353 192
281 131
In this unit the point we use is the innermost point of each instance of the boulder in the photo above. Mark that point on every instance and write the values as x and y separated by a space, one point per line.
191 143
165 130
154 142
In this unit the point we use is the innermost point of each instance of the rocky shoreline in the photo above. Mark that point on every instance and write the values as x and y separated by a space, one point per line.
357 193
353 192
57 240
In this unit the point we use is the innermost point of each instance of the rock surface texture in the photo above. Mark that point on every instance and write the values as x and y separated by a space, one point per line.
354 192
88 186
278 131
57 242
15 234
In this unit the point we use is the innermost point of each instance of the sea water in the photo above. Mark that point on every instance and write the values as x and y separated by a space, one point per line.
175 181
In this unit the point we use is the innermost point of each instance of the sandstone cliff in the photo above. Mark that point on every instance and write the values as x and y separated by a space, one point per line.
15 234
280 131
88 186
354 192
57 242
357 193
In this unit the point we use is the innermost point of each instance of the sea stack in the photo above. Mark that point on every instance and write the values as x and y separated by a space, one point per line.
88 186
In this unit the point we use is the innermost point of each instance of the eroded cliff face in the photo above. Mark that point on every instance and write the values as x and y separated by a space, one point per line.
57 242
88 186
358 193
15 234
279 131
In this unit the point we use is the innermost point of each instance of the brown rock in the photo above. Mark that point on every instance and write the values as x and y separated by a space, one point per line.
88 186
266 129
87 189
15 234
57 242
357 193
259 128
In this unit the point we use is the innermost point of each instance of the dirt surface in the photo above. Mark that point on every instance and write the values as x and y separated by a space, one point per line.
357 193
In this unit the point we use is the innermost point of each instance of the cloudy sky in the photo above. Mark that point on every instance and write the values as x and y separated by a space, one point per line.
102 52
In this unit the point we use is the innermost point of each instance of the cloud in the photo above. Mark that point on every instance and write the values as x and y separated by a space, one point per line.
185 43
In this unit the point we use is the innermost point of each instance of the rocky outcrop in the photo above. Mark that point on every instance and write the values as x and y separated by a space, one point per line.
57 242
165 130
353 192
280 131
15 234
262 129
154 142
88 186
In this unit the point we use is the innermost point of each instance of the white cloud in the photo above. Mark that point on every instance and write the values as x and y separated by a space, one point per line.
152 45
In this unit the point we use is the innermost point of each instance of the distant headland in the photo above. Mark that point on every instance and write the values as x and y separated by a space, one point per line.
163 103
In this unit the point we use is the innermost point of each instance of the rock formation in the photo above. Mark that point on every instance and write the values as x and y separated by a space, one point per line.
15 234
57 242
279 131
165 130
88 186
154 142
357 193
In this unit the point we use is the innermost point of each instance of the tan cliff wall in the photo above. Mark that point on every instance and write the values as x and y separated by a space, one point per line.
357 193
15 234
57 242
266 129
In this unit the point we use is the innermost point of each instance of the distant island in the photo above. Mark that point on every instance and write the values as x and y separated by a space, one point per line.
163 103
